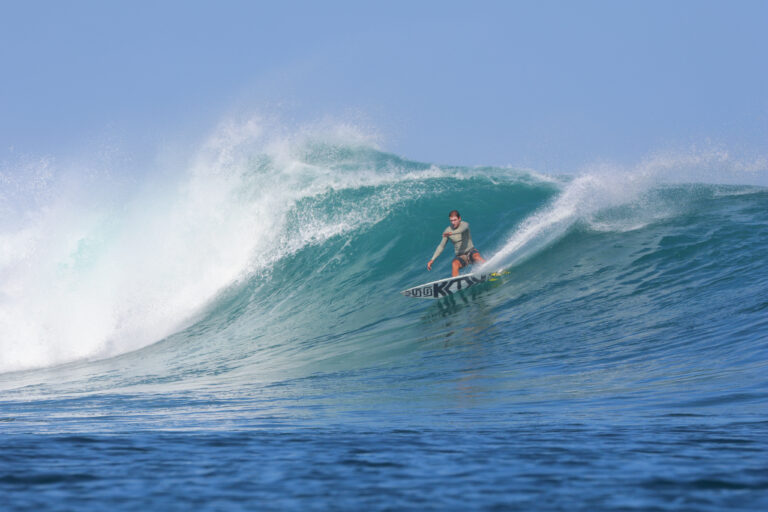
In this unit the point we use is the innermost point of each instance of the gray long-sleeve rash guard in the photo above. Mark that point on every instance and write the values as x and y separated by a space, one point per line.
461 238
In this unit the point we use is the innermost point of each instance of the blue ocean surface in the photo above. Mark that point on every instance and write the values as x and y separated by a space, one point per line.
235 340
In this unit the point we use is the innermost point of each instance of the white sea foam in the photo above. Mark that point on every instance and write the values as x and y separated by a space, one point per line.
81 277
600 187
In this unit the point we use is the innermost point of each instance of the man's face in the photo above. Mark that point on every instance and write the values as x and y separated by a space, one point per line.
454 221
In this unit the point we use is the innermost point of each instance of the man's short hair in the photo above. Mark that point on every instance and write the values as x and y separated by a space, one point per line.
454 212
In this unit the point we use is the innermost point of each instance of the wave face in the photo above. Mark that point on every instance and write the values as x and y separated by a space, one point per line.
270 254
273 258
301 247
258 290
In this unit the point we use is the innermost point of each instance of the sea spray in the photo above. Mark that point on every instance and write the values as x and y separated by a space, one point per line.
87 278
594 195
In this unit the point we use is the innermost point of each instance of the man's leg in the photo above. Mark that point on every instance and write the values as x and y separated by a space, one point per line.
476 257
455 266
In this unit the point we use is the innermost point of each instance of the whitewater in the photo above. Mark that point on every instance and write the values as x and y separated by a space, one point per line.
229 333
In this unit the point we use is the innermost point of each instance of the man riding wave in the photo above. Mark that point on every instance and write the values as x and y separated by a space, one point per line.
458 233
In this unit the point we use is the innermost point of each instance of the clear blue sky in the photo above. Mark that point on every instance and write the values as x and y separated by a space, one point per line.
549 85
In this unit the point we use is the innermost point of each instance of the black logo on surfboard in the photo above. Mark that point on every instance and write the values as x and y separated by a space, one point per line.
445 287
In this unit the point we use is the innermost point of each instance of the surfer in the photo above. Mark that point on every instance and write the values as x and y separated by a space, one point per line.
458 232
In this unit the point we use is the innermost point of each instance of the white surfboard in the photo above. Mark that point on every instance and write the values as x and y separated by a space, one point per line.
448 286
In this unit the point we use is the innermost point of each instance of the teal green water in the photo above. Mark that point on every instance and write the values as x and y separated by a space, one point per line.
619 364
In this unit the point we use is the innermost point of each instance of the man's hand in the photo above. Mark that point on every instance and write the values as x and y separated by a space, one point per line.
429 265
447 233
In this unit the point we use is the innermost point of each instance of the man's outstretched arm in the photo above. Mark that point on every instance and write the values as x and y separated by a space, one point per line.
439 249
